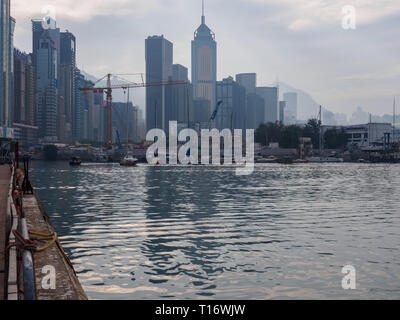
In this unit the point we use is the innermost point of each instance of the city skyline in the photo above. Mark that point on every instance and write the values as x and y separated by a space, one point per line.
341 69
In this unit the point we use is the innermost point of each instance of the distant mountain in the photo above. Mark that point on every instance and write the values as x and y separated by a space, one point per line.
89 76
307 107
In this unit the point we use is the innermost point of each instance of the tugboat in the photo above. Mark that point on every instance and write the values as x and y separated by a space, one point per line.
75 161
129 161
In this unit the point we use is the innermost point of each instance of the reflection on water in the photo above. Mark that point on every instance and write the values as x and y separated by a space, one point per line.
203 233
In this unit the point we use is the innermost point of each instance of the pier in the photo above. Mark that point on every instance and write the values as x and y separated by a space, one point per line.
33 264
5 176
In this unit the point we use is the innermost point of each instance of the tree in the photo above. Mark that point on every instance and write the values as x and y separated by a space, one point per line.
312 130
268 132
290 136
335 139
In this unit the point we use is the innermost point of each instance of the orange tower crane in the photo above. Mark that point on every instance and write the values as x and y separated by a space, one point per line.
108 90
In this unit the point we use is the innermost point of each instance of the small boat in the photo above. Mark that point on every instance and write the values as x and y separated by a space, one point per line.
271 159
75 161
101 157
300 161
325 160
286 160
129 161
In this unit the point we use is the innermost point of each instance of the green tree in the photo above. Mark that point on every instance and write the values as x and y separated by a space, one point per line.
312 130
268 132
290 136
335 139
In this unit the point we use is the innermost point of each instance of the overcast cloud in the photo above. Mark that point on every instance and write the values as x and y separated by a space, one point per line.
301 42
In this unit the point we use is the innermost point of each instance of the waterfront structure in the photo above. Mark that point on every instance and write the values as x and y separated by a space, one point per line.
24 99
367 135
66 92
46 56
159 58
271 103
282 109
232 112
204 63
291 107
7 25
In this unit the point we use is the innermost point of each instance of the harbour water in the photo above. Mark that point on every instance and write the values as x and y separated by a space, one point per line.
200 232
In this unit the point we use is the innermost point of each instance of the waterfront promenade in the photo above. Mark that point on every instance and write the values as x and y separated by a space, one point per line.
5 176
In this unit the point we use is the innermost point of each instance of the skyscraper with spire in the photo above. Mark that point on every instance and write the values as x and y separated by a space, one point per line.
204 63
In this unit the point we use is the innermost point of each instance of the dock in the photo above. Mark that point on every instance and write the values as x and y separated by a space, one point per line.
5 177
33 264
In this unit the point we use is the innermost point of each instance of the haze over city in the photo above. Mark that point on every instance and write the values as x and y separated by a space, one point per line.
300 43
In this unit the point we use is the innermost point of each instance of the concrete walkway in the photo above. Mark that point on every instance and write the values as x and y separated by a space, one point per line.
5 176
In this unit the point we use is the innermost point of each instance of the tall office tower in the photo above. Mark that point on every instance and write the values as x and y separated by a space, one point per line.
7 25
282 109
232 112
96 118
255 111
141 126
24 106
271 99
204 63
45 55
86 104
123 117
291 107
247 80
180 98
66 86
202 111
159 57
77 112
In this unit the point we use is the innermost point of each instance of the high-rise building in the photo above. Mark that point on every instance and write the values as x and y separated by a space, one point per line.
79 81
46 55
204 63
202 111
7 25
291 107
282 109
124 117
247 80
232 111
96 119
159 58
66 87
271 100
180 98
255 111
24 99
254 104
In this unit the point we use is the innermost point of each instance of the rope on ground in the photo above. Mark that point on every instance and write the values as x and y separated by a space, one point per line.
44 236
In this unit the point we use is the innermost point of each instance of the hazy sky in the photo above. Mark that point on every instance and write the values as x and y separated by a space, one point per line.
299 42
